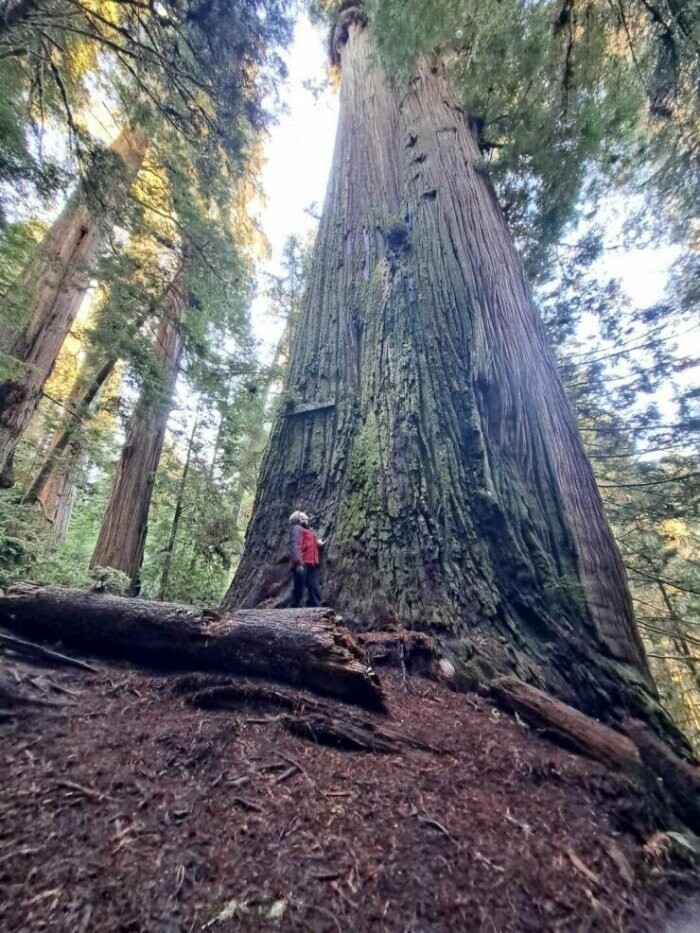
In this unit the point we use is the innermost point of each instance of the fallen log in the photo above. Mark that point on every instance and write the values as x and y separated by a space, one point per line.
639 753
572 727
300 647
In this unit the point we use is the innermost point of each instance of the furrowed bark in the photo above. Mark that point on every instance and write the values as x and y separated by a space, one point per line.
425 427
54 285
122 537
302 648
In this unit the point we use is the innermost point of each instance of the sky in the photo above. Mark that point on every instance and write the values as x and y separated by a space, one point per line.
298 155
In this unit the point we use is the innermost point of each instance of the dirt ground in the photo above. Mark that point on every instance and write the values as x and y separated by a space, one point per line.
123 809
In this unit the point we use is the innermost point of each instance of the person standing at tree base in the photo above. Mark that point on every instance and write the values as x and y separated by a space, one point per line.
306 560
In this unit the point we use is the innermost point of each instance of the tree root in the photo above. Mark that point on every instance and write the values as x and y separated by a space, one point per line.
304 716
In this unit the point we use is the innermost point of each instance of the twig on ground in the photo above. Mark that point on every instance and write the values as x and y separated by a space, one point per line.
247 804
290 772
59 688
80 788
20 644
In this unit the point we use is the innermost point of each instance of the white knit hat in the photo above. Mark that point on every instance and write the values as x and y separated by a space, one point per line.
298 518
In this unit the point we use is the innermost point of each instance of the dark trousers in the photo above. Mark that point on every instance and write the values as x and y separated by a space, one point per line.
306 579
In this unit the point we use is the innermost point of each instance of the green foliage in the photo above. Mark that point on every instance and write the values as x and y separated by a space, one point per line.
27 552
17 242
199 79
20 540
201 70
109 580
561 94
19 165
632 391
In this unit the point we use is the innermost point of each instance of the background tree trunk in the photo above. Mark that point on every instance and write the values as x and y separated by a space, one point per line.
122 535
55 282
426 429
53 488
177 515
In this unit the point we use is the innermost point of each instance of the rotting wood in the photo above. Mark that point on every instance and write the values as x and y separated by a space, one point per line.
353 732
576 729
418 652
303 648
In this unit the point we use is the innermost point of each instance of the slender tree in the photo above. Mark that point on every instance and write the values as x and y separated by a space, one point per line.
122 537
179 506
53 488
55 282
425 427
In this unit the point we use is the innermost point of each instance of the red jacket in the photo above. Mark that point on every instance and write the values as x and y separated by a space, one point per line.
304 546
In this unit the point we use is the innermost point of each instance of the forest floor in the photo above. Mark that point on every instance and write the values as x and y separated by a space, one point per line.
123 809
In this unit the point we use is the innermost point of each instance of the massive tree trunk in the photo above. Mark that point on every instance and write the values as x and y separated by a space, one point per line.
426 429
55 282
122 536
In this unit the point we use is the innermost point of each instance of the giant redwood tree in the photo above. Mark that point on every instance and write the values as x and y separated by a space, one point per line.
53 286
423 423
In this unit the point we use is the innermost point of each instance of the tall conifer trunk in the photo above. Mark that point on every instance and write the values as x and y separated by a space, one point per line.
177 516
53 488
55 282
426 429
122 536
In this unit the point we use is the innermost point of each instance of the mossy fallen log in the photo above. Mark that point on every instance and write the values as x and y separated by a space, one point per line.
574 728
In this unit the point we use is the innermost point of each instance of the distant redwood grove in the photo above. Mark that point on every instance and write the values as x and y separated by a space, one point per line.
425 427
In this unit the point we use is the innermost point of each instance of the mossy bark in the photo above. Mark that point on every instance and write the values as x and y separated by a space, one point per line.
448 475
